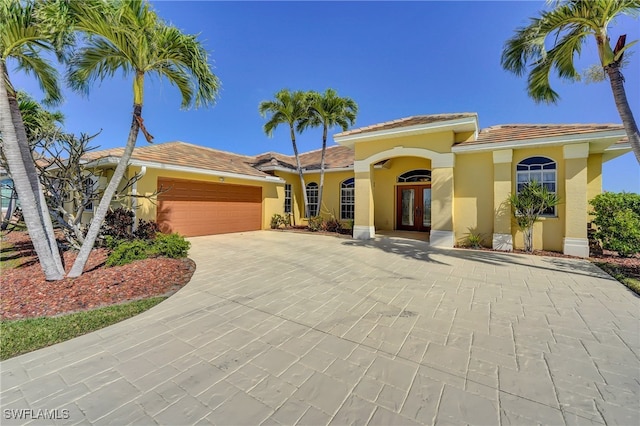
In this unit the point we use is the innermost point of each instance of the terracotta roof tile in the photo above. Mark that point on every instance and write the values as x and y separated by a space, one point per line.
336 156
520 132
407 122
188 155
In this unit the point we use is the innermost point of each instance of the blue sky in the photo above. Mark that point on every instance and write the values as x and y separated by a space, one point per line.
395 59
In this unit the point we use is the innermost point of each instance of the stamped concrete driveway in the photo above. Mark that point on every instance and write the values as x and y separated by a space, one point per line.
281 328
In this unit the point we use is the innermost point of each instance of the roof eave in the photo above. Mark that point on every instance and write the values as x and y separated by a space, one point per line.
111 160
613 135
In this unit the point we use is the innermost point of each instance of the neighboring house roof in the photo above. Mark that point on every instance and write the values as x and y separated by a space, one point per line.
415 120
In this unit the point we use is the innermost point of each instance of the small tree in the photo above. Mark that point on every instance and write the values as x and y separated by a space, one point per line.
617 217
528 205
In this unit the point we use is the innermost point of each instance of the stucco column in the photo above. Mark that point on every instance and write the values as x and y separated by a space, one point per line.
363 227
576 207
502 237
442 234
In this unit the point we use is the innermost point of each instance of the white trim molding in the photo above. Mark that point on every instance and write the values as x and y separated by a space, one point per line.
576 247
502 242
361 232
503 156
579 150
441 239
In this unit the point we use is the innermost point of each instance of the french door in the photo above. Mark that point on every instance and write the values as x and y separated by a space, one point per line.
414 208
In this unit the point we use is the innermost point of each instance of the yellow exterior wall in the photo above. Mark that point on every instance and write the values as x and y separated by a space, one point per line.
439 142
594 178
473 196
272 192
385 182
548 233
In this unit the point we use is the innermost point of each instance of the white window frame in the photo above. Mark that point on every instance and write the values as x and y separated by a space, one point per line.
88 190
312 198
288 199
548 176
347 199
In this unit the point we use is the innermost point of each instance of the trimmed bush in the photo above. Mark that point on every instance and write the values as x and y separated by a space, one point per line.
617 220
315 223
171 245
146 230
128 251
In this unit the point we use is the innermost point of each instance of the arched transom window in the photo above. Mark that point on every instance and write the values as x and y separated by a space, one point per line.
347 199
418 175
312 198
539 169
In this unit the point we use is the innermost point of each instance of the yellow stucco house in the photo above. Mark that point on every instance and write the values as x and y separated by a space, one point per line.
431 173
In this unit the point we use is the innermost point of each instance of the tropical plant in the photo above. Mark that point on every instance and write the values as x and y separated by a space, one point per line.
22 40
528 205
127 36
289 108
617 218
566 27
328 110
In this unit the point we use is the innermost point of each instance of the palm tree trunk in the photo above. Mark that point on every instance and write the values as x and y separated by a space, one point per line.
101 212
324 148
26 183
299 167
620 98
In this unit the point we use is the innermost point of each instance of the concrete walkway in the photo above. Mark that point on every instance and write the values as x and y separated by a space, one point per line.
282 328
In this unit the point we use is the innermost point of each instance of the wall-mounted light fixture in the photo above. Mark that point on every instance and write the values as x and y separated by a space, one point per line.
221 179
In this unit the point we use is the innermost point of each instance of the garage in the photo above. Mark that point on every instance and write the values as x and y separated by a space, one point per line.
194 208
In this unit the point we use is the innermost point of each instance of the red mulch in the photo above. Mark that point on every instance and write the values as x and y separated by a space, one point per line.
24 293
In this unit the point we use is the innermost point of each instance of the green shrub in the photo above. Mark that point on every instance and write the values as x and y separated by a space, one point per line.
315 223
128 251
171 245
474 239
617 220
277 221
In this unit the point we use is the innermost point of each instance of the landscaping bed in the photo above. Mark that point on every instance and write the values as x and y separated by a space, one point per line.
25 293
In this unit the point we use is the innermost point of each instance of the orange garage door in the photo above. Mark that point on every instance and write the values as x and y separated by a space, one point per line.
194 208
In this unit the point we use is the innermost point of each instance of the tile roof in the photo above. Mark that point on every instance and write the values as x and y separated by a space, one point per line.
188 155
407 122
336 156
520 132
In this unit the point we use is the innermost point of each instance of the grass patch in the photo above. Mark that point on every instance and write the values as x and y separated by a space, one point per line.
22 336
8 257
621 275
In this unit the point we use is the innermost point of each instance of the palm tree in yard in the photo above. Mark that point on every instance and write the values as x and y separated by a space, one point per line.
288 108
328 110
127 36
22 41
567 26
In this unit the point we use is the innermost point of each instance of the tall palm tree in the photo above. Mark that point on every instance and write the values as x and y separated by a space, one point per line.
567 26
22 40
128 36
288 108
328 110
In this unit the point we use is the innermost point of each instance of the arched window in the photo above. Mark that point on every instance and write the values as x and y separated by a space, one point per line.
418 175
312 198
540 169
347 199
6 192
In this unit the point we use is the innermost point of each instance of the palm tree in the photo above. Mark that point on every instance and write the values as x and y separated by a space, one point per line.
568 25
22 40
127 36
288 108
328 110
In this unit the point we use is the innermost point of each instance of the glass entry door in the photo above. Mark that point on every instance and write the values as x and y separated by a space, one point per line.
414 208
